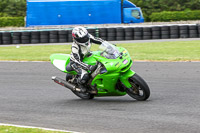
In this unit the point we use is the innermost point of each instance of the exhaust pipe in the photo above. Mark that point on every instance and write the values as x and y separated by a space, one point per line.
65 84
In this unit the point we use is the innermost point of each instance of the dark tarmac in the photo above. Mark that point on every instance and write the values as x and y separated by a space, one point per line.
29 97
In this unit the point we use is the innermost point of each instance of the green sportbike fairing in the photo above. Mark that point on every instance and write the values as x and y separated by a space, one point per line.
113 76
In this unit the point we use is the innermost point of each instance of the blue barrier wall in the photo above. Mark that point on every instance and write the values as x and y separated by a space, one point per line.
63 12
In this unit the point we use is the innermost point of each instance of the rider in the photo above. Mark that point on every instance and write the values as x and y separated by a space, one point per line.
80 48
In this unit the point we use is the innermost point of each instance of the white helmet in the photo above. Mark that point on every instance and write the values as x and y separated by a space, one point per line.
80 35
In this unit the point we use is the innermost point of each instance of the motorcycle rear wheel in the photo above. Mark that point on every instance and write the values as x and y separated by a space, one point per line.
85 96
139 90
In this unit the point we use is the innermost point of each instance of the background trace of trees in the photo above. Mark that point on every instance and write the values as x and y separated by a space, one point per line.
150 6
12 8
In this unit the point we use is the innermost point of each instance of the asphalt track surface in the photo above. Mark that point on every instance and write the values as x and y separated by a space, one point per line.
29 97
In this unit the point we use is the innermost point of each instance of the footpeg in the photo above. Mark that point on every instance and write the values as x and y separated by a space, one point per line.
93 89
93 92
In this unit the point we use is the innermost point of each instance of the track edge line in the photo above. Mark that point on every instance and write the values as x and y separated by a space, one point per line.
49 129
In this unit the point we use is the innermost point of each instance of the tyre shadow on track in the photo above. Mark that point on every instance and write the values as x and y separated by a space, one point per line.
101 104
103 101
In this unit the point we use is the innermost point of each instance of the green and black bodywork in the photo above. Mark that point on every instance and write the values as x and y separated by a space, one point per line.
113 74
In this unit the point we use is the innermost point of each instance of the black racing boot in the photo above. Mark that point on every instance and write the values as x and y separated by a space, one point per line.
93 90
82 87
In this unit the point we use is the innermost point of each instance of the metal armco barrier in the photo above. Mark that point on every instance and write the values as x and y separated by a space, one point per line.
110 34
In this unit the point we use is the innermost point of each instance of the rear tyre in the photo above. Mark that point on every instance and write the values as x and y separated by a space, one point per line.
85 96
82 95
139 90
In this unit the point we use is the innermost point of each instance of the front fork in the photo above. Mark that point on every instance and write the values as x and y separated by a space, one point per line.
125 76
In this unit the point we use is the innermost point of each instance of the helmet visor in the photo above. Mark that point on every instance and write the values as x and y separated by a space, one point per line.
83 39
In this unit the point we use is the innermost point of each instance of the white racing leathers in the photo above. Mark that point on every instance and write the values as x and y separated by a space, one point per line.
79 51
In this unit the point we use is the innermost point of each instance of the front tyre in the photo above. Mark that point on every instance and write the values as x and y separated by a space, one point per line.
139 90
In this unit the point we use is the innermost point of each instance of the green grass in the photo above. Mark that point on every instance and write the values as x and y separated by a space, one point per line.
165 51
12 129
152 51
32 53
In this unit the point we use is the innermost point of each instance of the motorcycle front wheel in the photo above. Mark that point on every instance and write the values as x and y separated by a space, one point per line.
139 90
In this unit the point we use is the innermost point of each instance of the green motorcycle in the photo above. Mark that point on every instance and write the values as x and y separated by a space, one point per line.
112 77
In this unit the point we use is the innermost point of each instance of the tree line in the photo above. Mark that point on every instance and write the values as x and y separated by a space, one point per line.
12 8
151 6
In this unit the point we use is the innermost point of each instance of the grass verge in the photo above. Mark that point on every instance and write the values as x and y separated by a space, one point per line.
152 51
13 129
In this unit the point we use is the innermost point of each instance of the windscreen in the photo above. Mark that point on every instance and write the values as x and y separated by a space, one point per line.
109 50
